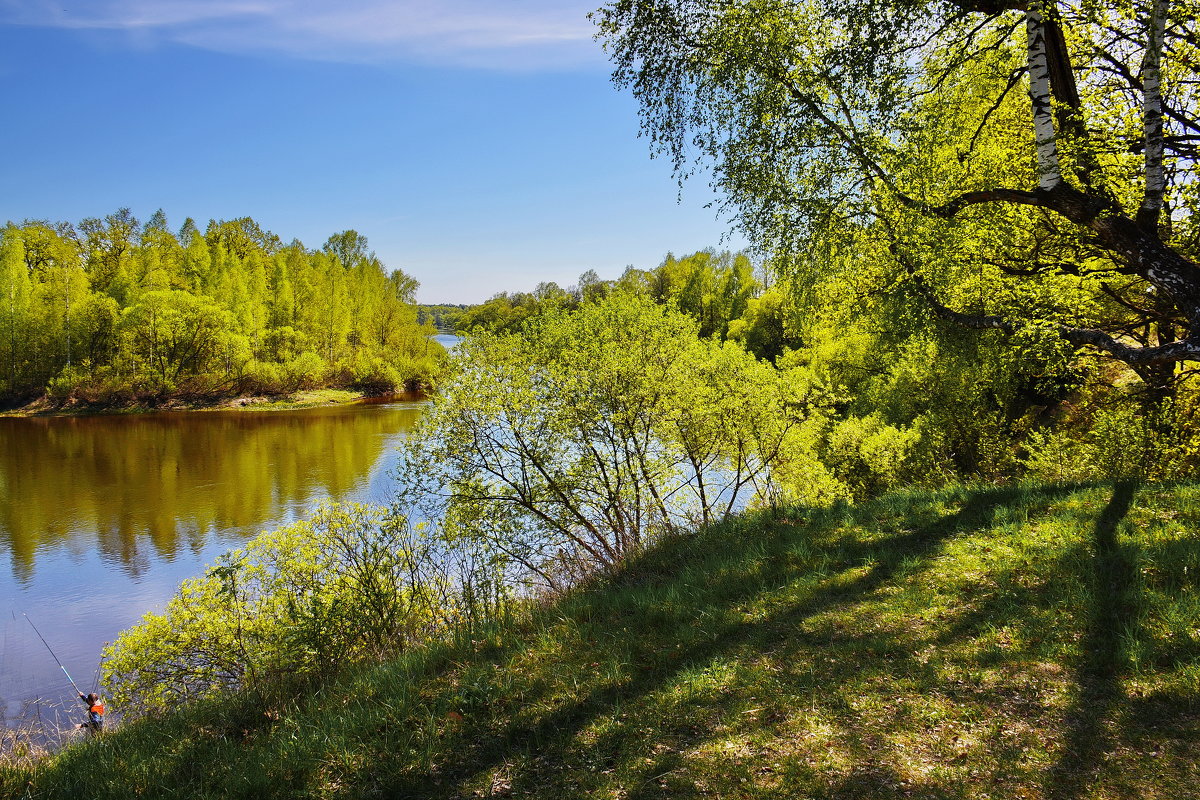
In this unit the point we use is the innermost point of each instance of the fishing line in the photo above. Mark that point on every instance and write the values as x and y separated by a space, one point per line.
96 677
60 664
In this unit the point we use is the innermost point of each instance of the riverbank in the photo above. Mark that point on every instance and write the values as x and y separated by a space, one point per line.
47 407
103 516
1021 642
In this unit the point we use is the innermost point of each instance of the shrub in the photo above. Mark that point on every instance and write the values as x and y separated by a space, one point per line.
352 584
868 455
263 377
571 446
305 371
372 375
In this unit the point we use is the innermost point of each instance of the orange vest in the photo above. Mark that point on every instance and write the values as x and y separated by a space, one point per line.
96 708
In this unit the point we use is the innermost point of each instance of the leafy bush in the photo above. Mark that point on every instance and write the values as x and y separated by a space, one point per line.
353 583
868 455
571 446
101 387
373 375
305 371
1119 438
64 385
262 377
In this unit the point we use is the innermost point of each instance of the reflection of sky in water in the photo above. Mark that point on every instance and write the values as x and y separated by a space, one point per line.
84 565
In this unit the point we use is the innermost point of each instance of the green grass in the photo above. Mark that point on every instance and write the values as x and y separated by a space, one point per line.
307 399
1029 642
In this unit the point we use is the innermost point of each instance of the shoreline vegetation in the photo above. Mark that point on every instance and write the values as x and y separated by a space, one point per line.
1031 641
116 314
850 633
1018 630
46 407
908 509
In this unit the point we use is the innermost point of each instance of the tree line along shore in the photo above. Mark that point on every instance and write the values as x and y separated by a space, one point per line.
112 312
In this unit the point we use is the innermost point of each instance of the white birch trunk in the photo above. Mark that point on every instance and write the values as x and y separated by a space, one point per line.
1049 172
1152 115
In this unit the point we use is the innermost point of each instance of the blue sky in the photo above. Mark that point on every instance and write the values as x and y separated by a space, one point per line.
479 146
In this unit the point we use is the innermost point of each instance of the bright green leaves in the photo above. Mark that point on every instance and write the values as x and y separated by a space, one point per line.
718 290
353 583
115 311
897 141
172 333
14 304
793 105
567 448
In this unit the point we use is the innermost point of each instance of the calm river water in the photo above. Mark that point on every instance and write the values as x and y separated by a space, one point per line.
101 518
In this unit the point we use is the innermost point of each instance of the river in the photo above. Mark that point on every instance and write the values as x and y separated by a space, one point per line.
102 517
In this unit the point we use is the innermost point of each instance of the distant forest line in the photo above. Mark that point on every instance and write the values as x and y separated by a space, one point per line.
112 310
723 291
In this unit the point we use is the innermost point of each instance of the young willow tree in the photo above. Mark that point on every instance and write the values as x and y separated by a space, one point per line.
569 446
1014 165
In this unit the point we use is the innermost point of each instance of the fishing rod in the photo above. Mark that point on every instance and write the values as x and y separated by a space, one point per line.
60 664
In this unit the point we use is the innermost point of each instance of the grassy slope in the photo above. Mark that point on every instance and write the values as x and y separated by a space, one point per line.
1003 643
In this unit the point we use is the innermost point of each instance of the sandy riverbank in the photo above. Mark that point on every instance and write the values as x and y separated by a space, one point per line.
45 407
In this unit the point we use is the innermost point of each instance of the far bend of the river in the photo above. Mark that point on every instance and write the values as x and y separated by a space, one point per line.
101 519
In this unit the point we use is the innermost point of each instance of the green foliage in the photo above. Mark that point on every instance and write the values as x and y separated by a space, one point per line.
1033 641
1120 437
570 446
169 334
374 376
719 291
964 403
352 584
305 371
766 327
868 455
442 317
115 311
884 157
14 303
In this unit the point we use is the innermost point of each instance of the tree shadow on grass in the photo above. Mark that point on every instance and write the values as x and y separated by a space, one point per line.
1098 677
522 751
528 735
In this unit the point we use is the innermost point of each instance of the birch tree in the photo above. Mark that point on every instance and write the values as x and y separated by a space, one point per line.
904 122
14 303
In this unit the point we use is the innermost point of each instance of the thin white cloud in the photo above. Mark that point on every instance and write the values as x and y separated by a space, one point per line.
516 34
129 14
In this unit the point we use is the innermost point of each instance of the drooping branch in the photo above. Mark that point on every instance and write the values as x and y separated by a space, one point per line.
1013 80
1135 356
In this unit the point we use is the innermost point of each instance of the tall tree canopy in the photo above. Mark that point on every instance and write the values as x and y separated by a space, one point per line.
898 132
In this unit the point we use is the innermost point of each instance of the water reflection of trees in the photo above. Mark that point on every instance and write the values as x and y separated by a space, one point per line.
144 487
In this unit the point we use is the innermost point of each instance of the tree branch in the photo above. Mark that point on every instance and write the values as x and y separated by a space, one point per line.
1184 350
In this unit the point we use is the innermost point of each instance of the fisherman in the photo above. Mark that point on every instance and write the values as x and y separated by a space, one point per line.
95 720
